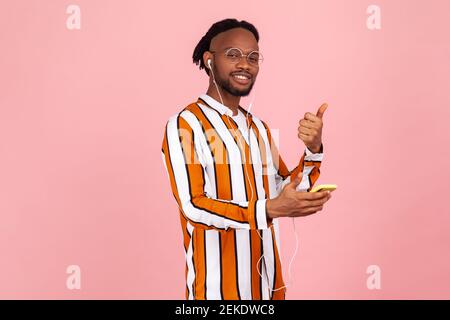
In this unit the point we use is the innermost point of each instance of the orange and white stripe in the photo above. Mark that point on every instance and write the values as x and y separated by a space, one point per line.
203 152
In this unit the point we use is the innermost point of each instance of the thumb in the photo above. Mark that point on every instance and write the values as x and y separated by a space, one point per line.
294 183
321 110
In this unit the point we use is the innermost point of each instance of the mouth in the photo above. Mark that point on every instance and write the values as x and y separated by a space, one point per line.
242 78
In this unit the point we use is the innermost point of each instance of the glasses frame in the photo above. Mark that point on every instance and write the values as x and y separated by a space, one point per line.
260 60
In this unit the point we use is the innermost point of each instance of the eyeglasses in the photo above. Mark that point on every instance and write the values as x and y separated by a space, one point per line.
234 55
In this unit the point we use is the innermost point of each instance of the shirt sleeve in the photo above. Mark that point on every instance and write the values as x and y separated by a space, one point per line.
187 180
308 166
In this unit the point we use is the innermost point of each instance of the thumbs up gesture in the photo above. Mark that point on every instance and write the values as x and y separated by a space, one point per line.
310 129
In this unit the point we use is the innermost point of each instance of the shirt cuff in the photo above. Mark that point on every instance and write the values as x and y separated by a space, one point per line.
262 220
311 156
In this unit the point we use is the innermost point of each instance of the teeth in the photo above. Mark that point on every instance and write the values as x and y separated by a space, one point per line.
241 77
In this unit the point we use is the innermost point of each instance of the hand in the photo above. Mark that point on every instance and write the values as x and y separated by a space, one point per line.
293 203
310 129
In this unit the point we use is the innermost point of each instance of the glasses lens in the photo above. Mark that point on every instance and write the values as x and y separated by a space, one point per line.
233 54
254 58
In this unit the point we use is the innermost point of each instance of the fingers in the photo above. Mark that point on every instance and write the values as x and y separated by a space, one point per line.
307 131
308 124
311 196
313 118
314 203
304 203
303 136
294 183
308 211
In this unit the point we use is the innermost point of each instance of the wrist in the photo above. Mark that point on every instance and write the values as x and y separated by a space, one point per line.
270 212
316 149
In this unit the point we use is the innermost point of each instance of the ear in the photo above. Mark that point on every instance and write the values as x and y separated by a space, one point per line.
207 55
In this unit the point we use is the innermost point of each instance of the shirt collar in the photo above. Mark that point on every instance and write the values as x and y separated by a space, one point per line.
216 105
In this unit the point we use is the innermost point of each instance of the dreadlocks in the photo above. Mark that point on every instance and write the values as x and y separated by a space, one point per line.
213 31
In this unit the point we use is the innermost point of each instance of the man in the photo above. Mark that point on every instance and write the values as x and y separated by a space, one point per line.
228 179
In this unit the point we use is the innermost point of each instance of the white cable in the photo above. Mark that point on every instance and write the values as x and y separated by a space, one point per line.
289 282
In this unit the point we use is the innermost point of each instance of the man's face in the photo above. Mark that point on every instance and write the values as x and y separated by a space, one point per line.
237 78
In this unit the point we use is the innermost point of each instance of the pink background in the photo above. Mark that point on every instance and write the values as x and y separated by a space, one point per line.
82 115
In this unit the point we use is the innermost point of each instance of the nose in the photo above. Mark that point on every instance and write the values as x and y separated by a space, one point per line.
243 64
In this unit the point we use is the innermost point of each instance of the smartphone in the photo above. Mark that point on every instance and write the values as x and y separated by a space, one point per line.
324 187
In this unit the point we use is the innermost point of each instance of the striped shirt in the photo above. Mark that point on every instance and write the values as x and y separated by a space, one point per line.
221 183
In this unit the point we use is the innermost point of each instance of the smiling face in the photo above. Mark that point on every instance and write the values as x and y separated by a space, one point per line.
235 77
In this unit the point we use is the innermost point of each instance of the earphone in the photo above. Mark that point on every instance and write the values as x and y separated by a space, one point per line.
249 183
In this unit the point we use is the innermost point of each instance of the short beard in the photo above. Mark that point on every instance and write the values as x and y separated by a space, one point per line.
226 86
